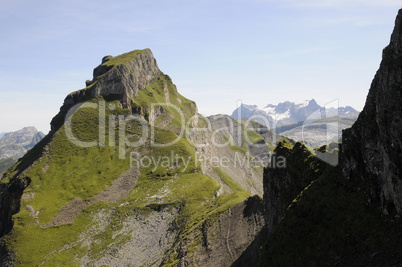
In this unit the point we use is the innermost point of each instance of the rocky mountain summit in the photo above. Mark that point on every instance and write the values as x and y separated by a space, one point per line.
116 78
15 144
131 173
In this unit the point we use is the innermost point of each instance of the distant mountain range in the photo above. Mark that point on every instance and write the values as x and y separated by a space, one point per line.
308 122
287 113
14 145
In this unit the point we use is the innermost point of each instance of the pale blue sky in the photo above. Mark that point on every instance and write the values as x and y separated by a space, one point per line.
216 52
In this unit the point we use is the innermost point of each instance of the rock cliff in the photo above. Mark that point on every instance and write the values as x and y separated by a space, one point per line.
224 240
116 78
372 148
349 214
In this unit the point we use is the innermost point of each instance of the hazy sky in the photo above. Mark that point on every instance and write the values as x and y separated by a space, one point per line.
216 51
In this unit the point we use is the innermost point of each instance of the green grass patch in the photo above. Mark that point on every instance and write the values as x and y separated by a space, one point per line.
238 149
123 58
229 181
55 246
253 136
153 100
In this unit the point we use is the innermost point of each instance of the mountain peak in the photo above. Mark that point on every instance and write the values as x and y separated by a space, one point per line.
312 102
396 36
124 75
15 144
116 78
136 58
284 106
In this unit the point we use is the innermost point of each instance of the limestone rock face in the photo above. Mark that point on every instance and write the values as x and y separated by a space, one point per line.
117 78
372 149
225 241
124 80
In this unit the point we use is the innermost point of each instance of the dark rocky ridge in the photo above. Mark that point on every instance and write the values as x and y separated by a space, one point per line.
372 149
371 155
10 196
349 215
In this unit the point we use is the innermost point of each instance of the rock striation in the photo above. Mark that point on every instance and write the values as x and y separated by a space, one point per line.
225 240
116 78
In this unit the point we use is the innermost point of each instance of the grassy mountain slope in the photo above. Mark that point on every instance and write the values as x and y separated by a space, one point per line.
99 205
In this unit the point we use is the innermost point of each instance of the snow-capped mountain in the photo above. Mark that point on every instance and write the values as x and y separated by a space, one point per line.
288 113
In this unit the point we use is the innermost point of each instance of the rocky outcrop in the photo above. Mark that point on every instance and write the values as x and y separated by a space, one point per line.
149 235
11 190
122 78
225 241
10 196
117 78
372 148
